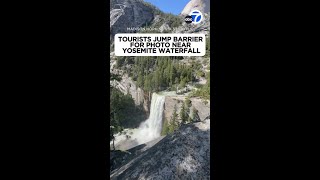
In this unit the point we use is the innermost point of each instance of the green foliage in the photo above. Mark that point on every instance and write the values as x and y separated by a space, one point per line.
123 112
194 115
120 60
207 47
200 73
174 121
165 128
173 21
185 110
129 60
198 86
140 80
169 128
188 102
208 43
148 83
156 11
115 77
203 91
182 83
159 73
196 65
205 61
183 114
176 81
115 125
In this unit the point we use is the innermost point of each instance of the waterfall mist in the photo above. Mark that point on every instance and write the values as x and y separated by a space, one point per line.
148 130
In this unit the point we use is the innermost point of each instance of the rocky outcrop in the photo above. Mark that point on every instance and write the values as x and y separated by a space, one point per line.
202 106
202 5
128 86
165 27
170 101
129 14
128 151
183 155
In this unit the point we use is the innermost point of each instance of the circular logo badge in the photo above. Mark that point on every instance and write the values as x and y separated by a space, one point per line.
188 19
196 16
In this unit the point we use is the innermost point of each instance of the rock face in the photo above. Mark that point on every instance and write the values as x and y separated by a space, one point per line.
171 101
128 13
119 158
183 155
202 5
128 86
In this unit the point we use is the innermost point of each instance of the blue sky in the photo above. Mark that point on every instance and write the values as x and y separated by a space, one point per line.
169 6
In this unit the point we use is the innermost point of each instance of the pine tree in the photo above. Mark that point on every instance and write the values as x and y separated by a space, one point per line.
165 128
173 124
120 61
182 83
171 74
157 80
176 81
194 114
148 83
140 80
188 102
119 105
187 109
183 114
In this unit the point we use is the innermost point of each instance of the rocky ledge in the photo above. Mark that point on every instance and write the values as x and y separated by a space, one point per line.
183 155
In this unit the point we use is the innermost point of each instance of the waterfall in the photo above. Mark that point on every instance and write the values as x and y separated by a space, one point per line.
148 130
151 128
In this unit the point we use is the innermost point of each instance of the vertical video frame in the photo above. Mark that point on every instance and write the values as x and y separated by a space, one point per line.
159 89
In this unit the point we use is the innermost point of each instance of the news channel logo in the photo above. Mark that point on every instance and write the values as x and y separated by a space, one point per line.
194 17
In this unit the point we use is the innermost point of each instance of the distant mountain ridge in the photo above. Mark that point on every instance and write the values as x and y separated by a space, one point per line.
129 13
135 14
202 5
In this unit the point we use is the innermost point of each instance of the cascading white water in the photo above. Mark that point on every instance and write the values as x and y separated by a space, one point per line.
148 130
151 128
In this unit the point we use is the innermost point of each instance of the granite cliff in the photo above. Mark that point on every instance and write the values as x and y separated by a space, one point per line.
201 5
129 13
